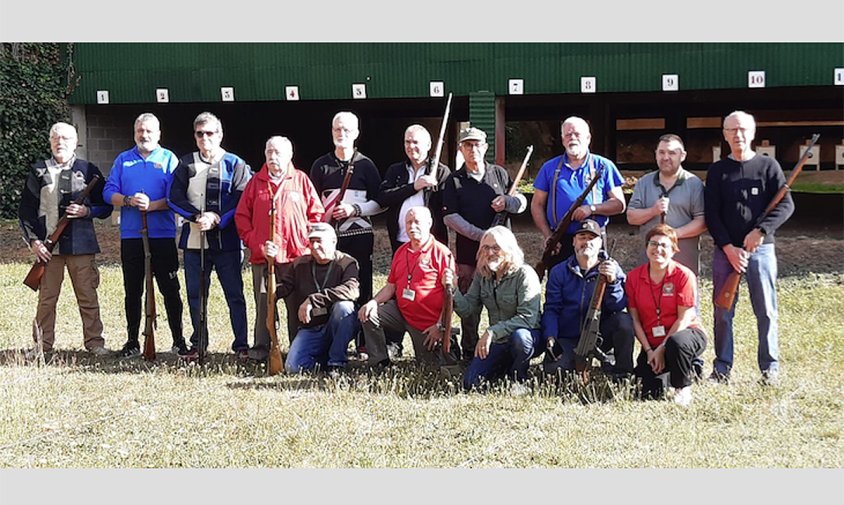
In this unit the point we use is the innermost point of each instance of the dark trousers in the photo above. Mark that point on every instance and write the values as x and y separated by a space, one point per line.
681 349
165 269
617 334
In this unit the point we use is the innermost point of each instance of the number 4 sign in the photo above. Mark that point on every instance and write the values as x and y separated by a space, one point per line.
291 92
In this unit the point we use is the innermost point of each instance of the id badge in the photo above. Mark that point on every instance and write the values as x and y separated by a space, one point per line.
659 331
408 294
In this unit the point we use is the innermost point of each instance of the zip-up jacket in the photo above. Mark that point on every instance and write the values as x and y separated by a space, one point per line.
323 285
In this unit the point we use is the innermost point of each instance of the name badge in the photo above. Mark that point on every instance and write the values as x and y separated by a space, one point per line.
658 331
408 294
754 191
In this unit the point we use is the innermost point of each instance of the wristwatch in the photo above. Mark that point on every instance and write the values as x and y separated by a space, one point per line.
592 208
126 200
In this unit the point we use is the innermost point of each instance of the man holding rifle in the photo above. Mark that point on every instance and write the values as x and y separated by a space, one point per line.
473 196
138 182
567 295
206 188
279 185
738 190
51 188
560 182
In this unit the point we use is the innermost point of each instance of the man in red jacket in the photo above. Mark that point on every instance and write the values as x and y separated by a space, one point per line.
280 185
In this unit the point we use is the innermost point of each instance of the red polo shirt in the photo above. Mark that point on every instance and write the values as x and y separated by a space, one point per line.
677 288
425 268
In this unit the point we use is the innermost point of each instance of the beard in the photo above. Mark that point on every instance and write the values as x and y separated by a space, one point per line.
494 265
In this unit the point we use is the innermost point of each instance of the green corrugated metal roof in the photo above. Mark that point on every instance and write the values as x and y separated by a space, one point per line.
194 72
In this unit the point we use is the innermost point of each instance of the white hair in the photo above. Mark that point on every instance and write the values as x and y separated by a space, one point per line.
348 118
54 130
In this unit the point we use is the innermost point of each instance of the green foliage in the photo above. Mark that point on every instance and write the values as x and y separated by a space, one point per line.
33 95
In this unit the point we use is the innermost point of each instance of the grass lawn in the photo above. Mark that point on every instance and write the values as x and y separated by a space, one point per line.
81 411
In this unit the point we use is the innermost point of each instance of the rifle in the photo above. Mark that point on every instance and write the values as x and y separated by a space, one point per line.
33 278
149 320
203 301
332 203
435 161
275 364
589 344
725 298
501 218
445 319
560 230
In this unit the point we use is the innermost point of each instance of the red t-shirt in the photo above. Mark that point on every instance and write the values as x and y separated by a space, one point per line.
677 288
425 268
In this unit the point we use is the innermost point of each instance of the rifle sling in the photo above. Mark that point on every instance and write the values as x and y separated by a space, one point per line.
557 178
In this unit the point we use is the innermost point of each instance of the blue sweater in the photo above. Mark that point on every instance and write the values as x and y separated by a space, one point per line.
568 294
131 174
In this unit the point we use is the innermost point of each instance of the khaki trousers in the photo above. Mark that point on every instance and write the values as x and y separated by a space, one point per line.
85 279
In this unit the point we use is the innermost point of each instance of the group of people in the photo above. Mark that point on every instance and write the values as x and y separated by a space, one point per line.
316 230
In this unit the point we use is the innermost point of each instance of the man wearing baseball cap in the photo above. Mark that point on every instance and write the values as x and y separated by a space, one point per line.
324 286
471 199
567 296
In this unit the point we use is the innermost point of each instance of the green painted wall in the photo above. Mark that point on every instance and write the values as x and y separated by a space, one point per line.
194 72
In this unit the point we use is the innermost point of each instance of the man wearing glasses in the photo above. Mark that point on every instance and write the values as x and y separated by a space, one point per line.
206 189
472 197
562 179
738 189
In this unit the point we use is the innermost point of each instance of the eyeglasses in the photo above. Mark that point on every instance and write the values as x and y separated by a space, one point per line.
494 248
473 147
732 131
202 133
660 245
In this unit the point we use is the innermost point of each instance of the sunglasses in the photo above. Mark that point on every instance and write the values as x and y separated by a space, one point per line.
201 134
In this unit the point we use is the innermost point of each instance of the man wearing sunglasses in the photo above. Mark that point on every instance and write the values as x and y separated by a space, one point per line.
206 189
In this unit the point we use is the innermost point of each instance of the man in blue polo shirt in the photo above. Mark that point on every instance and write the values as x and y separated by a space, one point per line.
561 181
138 181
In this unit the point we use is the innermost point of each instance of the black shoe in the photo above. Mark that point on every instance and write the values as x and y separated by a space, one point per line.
130 349
190 354
719 378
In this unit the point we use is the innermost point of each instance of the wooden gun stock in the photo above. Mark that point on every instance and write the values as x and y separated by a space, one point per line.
332 203
560 230
501 218
150 316
274 365
445 320
33 277
725 298
435 161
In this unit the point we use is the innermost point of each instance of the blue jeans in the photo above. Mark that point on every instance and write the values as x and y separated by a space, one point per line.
324 343
510 358
761 278
227 266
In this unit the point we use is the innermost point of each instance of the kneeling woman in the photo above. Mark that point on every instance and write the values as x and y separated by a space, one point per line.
661 300
510 291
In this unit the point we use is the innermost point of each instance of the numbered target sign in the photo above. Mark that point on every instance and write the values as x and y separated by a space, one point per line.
670 82
756 79
838 77
227 94
588 85
162 95
359 91
437 88
516 86
102 96
291 93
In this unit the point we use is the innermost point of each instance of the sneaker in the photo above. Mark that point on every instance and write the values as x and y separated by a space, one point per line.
180 348
770 378
718 378
518 389
98 351
130 350
683 396
186 353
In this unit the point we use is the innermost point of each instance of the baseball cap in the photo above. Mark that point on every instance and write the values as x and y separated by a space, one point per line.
472 134
589 226
321 230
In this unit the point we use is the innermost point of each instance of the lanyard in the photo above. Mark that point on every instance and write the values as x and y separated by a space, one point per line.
325 279
407 262
657 299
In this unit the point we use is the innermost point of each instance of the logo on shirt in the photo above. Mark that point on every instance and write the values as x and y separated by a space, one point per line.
668 289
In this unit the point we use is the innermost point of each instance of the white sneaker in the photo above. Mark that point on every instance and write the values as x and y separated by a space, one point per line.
683 396
99 351
518 389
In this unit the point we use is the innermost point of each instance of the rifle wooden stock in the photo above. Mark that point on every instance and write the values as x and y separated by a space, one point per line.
725 298
560 230
501 218
149 309
36 272
588 345
445 320
435 161
274 363
332 203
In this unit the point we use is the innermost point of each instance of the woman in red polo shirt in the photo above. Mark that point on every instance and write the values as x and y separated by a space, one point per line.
661 300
